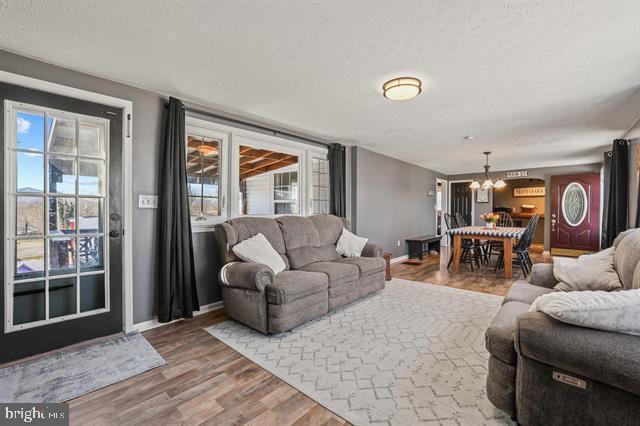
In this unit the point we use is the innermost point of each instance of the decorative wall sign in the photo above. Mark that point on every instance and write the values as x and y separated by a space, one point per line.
482 195
531 191
518 173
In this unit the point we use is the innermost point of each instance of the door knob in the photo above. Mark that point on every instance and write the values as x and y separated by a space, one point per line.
115 233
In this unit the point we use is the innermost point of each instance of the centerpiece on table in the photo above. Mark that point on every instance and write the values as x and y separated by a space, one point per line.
490 219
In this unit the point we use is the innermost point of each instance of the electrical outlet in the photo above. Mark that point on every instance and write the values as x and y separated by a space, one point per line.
398 243
147 201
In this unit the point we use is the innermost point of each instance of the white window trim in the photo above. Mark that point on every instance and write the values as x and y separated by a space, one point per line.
207 129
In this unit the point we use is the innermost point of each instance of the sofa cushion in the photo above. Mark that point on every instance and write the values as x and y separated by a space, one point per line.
247 227
524 292
588 272
350 245
338 273
307 241
499 337
626 258
292 285
366 265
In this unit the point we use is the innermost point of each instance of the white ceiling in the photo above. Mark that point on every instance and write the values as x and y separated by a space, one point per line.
539 83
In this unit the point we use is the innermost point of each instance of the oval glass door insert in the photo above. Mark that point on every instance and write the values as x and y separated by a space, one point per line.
574 204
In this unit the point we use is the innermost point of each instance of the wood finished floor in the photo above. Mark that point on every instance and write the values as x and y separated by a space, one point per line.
206 382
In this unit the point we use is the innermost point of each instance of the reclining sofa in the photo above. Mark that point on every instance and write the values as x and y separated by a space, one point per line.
316 279
546 372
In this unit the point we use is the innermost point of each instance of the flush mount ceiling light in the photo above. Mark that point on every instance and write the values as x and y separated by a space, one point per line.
401 89
487 182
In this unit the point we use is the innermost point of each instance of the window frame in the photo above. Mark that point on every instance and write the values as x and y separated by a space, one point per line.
319 156
12 108
198 127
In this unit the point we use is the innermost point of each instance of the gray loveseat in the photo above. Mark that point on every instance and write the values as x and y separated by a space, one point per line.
316 279
546 372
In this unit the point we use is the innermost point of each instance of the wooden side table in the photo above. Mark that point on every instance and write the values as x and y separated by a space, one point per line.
387 258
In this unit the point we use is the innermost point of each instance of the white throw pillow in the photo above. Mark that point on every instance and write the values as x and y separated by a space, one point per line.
257 249
588 272
350 245
612 311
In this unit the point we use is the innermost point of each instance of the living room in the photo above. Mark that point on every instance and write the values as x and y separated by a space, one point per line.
320 212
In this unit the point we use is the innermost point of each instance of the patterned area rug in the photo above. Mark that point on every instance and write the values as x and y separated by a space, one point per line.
65 375
413 353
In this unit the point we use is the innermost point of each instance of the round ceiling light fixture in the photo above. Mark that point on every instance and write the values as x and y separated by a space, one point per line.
401 89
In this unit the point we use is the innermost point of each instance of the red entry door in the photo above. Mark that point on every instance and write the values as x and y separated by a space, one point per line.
575 214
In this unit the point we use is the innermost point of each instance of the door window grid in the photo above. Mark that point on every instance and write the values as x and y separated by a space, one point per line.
320 191
85 248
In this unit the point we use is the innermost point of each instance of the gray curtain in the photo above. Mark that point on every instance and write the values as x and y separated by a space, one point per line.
606 165
337 180
177 293
617 204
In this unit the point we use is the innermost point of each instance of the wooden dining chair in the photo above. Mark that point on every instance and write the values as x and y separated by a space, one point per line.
505 220
521 256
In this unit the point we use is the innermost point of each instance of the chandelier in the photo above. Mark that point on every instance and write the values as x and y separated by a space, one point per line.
488 182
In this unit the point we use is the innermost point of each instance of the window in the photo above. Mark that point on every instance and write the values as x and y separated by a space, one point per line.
320 192
268 181
206 149
56 201
285 193
259 174
203 175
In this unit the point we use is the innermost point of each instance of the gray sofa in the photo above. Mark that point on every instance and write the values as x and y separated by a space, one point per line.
533 356
316 279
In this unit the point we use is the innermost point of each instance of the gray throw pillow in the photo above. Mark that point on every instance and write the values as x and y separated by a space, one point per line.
588 272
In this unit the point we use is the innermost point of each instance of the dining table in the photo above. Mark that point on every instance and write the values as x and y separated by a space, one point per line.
506 234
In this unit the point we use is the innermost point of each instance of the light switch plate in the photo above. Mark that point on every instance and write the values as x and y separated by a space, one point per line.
147 201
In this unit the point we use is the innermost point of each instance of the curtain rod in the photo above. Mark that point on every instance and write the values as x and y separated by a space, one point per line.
253 125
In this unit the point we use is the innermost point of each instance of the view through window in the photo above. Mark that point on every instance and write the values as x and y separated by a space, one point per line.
268 182
203 176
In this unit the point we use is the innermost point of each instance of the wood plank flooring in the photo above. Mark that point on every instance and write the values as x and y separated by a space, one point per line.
206 382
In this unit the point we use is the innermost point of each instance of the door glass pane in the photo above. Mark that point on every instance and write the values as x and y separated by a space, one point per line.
30 131
90 253
62 256
266 175
90 215
61 135
91 141
91 292
29 216
28 302
29 259
574 204
30 172
62 215
62 297
91 177
62 175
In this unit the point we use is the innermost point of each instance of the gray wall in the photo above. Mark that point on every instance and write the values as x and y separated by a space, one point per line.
391 201
147 122
544 173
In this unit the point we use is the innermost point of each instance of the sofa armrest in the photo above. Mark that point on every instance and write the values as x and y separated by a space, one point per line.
542 275
372 250
607 357
246 276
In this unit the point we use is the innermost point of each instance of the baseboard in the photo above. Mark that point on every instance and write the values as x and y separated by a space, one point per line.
148 325
399 259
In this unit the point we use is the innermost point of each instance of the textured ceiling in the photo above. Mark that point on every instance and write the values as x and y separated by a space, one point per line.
539 83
